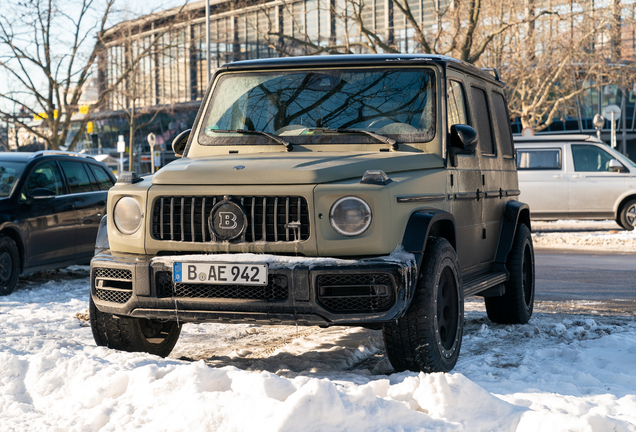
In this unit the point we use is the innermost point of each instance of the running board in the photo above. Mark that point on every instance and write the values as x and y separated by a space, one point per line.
481 283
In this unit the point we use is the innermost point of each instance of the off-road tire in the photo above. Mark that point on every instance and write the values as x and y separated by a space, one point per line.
516 305
627 216
133 334
429 335
9 265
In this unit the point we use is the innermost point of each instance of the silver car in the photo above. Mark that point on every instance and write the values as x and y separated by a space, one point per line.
576 177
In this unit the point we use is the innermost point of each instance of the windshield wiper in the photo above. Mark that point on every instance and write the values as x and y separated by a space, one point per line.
394 145
281 141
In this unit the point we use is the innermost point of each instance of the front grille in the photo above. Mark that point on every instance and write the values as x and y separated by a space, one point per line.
275 290
366 292
113 285
269 219
113 296
115 274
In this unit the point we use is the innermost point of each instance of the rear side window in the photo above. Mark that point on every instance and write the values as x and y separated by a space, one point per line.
483 123
503 124
103 179
77 177
539 159
456 102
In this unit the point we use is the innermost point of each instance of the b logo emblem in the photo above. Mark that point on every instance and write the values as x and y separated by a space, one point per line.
227 220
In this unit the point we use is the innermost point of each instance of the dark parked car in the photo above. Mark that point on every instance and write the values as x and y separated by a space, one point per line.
51 204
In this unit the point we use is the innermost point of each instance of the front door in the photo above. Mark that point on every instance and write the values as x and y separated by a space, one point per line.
49 222
594 189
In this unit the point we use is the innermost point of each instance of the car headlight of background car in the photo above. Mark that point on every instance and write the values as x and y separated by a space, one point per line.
350 216
127 215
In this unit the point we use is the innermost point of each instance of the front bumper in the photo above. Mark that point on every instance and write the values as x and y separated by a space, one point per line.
305 291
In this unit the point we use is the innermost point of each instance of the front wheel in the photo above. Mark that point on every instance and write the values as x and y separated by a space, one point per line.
627 216
133 334
516 305
9 265
429 336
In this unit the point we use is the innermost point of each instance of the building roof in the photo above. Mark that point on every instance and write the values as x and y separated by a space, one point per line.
341 60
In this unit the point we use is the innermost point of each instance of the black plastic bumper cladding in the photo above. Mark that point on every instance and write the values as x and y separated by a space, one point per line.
370 291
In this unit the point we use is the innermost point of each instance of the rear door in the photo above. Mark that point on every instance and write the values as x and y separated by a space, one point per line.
543 180
89 201
594 189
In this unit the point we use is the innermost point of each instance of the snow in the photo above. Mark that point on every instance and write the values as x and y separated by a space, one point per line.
583 235
561 372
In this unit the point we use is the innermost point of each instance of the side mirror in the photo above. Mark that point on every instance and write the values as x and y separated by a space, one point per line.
179 143
616 166
462 140
42 193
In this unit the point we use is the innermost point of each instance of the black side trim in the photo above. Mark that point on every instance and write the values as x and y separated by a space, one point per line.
513 212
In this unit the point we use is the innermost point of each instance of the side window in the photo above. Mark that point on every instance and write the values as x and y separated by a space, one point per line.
47 176
590 158
456 104
503 124
483 124
538 159
78 180
103 179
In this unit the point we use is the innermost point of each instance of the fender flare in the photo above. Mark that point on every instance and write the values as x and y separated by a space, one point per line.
515 213
424 223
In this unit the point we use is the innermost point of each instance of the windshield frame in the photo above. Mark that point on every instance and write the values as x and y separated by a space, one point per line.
319 139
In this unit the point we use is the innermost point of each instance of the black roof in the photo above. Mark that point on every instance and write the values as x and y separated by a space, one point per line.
340 60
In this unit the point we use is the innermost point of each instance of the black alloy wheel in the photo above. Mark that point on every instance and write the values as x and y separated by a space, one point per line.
9 265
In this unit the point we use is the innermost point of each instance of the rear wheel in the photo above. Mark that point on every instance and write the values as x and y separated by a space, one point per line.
133 334
627 217
429 336
9 265
516 305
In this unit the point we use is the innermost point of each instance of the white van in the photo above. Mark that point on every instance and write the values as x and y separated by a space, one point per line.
576 177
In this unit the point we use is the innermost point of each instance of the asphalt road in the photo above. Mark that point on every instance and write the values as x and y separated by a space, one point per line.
574 275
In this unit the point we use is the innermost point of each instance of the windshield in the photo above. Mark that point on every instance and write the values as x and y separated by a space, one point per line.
316 107
9 175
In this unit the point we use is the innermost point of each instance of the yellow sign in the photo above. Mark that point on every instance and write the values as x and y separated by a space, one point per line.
89 127
43 115
83 109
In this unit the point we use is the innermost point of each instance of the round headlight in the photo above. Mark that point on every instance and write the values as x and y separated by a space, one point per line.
350 216
127 215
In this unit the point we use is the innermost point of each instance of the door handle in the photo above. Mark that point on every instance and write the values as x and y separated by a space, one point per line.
558 176
577 176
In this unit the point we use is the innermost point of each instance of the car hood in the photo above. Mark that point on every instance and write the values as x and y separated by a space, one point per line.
289 168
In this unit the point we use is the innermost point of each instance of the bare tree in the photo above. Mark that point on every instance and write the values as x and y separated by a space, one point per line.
463 29
48 51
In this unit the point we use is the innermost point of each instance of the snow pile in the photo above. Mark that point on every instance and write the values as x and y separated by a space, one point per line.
559 372
591 235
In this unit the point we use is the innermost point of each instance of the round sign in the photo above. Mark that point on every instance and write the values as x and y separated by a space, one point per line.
527 132
227 220
612 109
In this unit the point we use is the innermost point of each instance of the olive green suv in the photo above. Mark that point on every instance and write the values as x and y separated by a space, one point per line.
363 190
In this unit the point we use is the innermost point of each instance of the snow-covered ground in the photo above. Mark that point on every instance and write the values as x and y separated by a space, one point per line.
583 235
560 372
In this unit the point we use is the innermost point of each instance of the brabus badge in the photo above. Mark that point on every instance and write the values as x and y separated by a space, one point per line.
227 220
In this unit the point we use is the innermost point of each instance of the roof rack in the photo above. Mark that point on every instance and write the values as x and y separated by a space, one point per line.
494 71
59 153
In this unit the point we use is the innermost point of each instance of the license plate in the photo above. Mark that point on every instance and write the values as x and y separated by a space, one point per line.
220 273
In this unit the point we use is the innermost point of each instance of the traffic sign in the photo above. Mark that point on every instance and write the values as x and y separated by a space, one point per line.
612 112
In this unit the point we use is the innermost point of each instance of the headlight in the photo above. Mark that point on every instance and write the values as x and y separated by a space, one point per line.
350 216
127 215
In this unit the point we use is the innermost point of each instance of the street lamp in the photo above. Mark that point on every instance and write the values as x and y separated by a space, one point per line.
598 121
